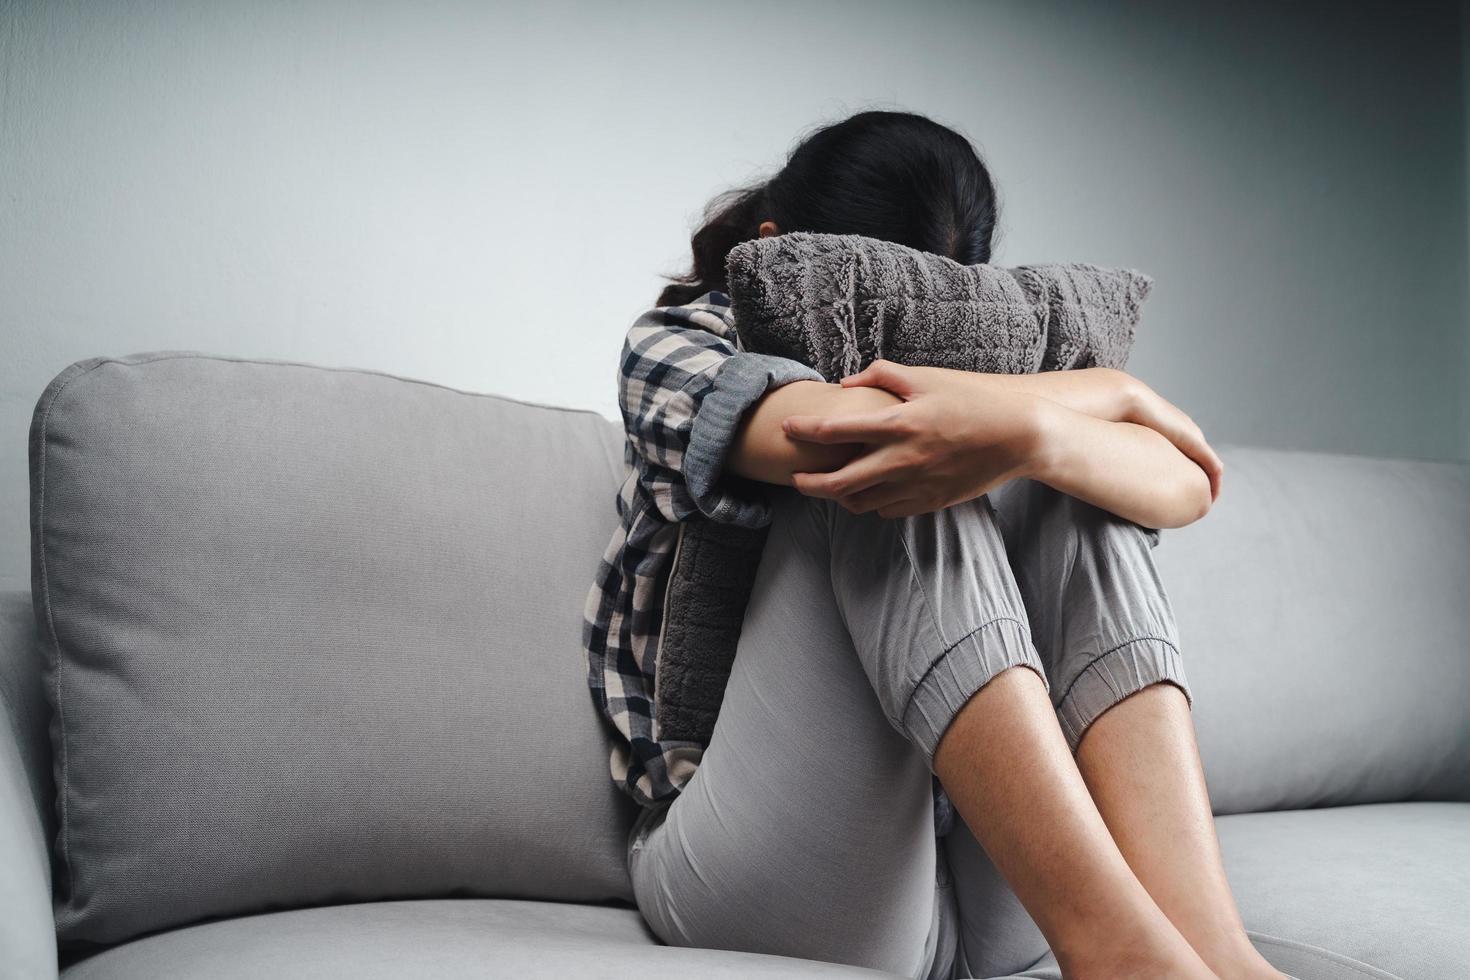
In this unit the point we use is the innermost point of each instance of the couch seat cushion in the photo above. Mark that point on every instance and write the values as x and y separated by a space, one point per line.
1387 884
441 938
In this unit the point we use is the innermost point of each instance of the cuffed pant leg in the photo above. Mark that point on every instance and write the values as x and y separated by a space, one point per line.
933 610
1100 616
863 639
1103 627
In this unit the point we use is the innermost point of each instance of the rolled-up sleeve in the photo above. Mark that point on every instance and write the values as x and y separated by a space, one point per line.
740 382
683 390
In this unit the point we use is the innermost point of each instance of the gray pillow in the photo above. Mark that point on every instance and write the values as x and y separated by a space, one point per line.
314 636
839 302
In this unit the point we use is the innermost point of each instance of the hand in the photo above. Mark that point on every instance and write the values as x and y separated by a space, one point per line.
956 435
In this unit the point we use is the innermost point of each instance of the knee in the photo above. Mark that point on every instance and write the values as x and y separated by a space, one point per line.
1051 529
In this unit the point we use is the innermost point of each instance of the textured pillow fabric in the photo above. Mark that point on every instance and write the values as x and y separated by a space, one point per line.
839 302
314 635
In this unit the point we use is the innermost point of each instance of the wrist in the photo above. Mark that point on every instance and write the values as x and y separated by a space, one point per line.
1045 449
1127 398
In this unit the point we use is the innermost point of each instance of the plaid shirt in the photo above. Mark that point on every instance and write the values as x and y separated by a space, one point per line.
683 385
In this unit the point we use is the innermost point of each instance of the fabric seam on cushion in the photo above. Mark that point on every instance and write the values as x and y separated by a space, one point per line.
1340 959
63 791
369 372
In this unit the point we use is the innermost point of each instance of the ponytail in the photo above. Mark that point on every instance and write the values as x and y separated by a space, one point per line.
734 216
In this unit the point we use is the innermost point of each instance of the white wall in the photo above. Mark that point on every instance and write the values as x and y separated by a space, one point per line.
449 190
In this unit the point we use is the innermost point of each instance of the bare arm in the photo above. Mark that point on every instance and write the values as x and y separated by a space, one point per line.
763 451
1116 396
1123 467
958 434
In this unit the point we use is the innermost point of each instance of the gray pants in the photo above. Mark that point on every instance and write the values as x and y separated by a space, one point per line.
808 829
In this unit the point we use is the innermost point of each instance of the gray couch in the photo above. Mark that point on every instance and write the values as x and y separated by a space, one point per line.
298 692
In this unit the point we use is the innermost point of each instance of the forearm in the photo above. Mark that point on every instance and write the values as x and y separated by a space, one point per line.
1123 467
762 451
1103 393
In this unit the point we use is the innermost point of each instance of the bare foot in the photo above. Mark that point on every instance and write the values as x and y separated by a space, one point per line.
1241 961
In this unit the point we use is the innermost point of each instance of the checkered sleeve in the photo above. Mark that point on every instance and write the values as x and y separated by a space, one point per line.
684 387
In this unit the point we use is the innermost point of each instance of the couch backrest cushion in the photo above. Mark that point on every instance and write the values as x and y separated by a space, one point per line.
315 637
1324 612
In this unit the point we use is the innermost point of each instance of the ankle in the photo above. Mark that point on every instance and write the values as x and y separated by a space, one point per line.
1242 964
1152 952
1137 964
1235 957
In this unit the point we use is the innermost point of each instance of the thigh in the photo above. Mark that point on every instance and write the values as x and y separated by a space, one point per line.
807 829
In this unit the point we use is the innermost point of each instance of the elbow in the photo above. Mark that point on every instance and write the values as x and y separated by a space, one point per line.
1192 499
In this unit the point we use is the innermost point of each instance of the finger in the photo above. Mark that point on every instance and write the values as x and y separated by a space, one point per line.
885 374
871 427
859 474
876 496
908 507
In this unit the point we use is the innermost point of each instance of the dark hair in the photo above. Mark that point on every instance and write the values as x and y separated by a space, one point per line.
897 176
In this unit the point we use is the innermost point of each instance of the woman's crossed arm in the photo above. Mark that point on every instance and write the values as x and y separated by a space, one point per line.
907 440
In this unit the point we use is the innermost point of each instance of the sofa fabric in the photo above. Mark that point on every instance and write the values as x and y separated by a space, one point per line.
1387 884
27 935
303 644
1290 871
1324 615
449 939
314 636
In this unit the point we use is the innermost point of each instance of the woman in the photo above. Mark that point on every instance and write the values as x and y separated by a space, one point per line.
929 530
